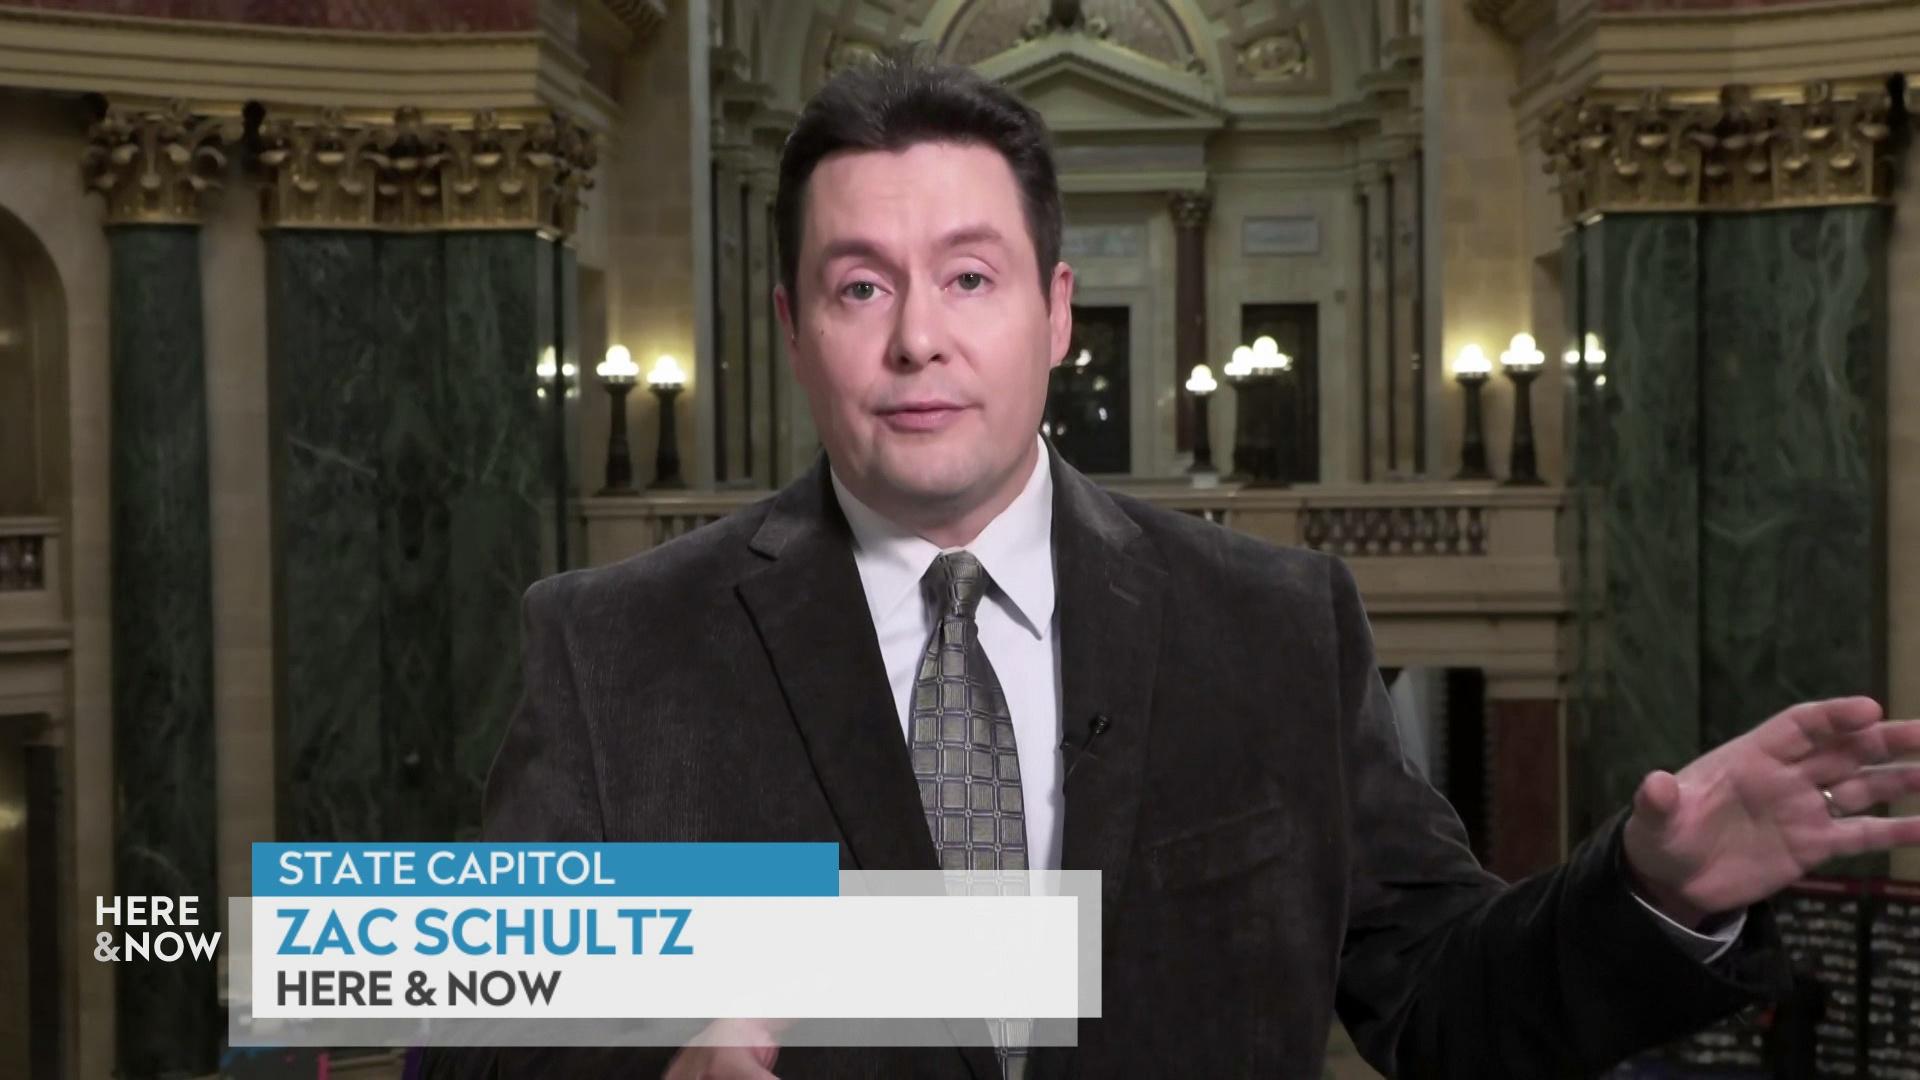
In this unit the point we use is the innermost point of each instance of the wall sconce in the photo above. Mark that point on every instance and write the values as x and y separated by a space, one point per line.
666 380
1201 385
1471 370
1593 359
618 373
1522 363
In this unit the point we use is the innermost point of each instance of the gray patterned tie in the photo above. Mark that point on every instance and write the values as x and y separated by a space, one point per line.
964 756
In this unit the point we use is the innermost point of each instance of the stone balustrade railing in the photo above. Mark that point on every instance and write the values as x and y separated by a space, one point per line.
31 590
1418 549
23 553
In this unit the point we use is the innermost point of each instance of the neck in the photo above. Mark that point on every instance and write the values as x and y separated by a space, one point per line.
955 523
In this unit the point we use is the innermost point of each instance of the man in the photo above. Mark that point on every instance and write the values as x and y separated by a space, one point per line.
944 646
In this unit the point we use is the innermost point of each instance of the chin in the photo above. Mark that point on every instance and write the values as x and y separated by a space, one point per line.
935 483
931 472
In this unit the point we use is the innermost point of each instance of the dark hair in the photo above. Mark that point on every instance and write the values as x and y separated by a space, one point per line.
896 101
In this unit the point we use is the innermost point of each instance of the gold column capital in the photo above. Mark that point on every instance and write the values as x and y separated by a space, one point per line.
156 163
505 172
1740 147
1190 208
409 171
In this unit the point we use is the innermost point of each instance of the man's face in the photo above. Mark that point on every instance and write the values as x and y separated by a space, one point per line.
919 331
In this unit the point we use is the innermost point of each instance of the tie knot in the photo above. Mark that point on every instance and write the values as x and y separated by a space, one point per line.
958 581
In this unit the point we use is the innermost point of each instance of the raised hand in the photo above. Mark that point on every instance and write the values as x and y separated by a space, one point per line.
730 1050
1761 811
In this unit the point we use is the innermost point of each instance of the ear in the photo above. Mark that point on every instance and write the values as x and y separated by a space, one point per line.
783 308
1060 312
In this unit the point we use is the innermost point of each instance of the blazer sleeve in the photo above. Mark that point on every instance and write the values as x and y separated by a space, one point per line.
544 784
1447 972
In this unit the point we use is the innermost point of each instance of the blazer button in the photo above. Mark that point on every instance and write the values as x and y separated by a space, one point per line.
1100 724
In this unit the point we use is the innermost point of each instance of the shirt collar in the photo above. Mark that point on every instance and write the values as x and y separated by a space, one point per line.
1015 549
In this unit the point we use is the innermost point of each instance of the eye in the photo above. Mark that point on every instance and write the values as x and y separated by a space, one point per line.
860 290
971 281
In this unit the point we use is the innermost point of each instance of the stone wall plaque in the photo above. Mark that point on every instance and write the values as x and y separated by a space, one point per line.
1103 242
1292 234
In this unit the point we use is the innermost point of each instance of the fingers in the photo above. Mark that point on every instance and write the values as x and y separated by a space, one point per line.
1657 797
1877 744
1871 787
723 1063
1797 732
718 1063
730 1050
1858 835
742 1034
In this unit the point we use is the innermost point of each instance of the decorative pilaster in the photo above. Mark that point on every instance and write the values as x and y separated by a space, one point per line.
764 366
1376 315
1191 210
156 166
416 293
1403 316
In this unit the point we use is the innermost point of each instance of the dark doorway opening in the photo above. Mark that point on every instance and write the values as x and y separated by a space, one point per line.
1087 414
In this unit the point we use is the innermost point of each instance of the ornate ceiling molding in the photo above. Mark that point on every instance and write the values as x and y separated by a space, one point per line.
1285 55
982 29
156 163
405 171
1739 148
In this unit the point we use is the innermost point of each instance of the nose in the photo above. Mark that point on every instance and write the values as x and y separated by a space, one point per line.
920 334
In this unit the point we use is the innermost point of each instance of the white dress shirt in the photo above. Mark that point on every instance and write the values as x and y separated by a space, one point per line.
1021 637
1017 629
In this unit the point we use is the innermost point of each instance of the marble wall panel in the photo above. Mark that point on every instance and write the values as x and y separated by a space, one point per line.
1641 274
416 471
329 411
1793 349
499 304
415 484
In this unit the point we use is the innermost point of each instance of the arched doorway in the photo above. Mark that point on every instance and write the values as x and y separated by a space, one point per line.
33 514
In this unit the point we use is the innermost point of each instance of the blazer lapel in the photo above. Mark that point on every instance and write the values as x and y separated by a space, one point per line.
807 604
809 608
1110 585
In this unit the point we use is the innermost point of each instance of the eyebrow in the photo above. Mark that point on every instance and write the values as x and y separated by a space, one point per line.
854 247
971 234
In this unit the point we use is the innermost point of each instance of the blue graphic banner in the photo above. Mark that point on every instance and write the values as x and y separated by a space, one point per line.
570 870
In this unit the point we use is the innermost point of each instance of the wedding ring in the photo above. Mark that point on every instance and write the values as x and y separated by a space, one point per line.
1833 808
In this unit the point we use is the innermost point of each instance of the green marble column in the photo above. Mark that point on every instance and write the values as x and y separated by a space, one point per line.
1736 463
412 464
415 538
1793 351
500 316
327 311
1641 275
169 1022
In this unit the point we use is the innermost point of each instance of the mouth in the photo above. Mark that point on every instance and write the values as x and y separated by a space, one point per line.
921 416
